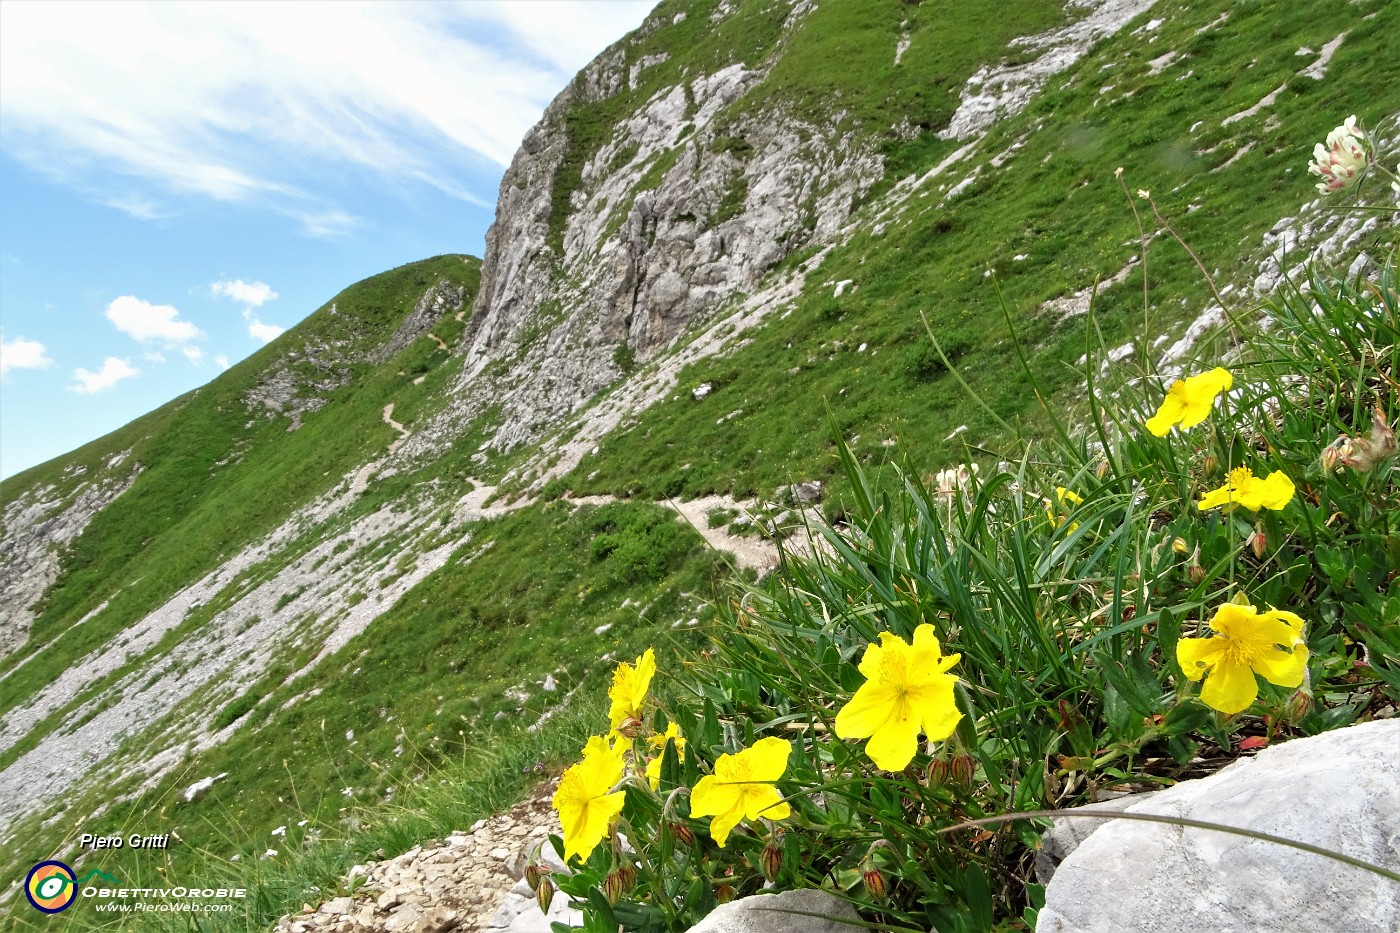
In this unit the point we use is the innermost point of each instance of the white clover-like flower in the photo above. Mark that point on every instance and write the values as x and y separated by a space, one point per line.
280 831
270 853
1341 159
954 480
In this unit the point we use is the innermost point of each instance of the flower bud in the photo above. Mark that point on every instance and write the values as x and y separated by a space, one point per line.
1195 573
681 833
1259 544
631 727
724 893
771 861
544 894
937 774
1210 465
614 886
1299 705
875 883
534 873
1102 469
960 770
1180 546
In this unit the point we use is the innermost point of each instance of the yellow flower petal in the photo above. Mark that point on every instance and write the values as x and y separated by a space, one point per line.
907 690
1280 667
629 688
658 743
1198 655
741 787
1276 490
1245 489
1230 688
1247 642
1189 401
586 809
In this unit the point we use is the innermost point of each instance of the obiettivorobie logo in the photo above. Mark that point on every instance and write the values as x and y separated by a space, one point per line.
52 886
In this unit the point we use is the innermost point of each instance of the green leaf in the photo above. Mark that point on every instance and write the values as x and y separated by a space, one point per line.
1187 716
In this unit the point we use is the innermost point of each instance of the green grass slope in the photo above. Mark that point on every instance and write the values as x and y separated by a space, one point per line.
219 474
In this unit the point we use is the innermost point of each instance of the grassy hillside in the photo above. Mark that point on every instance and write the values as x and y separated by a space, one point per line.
1050 221
441 687
220 473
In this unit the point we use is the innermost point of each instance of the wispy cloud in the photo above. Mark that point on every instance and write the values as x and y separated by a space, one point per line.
22 354
148 323
113 371
264 332
252 294
142 104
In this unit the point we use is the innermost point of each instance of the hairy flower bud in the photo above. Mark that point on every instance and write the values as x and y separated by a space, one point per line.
960 770
1299 705
771 861
1259 543
614 886
1196 573
937 774
681 833
875 883
1180 546
724 893
544 894
534 873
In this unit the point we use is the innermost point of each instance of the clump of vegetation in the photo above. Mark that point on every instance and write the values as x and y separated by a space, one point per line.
1210 567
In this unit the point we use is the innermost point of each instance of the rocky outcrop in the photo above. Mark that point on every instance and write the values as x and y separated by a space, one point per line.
437 302
1339 791
38 525
999 91
681 208
457 884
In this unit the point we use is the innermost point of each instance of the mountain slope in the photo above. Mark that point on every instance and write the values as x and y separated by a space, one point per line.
324 572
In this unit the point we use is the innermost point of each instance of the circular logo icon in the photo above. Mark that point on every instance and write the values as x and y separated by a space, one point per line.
50 887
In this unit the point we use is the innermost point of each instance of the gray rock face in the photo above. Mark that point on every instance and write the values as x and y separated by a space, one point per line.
37 527
436 303
807 911
1339 791
672 216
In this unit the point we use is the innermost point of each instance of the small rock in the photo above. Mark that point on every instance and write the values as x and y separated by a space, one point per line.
337 906
804 911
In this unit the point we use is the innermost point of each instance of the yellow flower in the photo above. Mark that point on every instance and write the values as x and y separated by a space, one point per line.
1068 499
1242 487
658 743
742 788
1189 401
906 690
629 689
1246 643
586 809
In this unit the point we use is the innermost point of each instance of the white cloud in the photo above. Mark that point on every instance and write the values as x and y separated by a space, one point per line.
113 371
145 322
151 356
253 294
222 361
264 332
138 103
193 354
22 354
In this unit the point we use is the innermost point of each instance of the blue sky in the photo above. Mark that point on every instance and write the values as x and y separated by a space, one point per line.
179 182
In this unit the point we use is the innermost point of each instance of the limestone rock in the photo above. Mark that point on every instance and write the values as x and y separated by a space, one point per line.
789 912
1339 791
